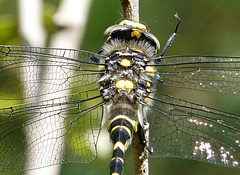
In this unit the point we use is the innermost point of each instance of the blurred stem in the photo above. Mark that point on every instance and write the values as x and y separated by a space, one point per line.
30 22
72 17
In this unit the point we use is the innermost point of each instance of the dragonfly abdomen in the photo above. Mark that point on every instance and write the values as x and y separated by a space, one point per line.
121 128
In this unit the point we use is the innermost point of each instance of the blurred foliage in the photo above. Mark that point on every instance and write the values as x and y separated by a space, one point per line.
8 27
208 28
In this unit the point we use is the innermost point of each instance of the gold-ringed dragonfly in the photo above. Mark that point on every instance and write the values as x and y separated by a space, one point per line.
118 87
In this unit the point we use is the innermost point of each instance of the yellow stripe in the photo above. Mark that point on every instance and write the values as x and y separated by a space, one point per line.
115 174
150 70
115 127
109 37
133 122
136 49
126 128
148 84
119 145
135 127
118 158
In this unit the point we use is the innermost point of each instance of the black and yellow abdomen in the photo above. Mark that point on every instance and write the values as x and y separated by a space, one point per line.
121 128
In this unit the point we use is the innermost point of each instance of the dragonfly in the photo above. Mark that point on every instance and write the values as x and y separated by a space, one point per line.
64 98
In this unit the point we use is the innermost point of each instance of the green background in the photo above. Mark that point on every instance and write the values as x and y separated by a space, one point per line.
208 27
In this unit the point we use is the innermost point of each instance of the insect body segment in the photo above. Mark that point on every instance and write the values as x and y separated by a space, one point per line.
121 130
126 83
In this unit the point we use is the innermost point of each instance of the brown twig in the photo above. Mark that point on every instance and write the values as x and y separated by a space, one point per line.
139 152
130 10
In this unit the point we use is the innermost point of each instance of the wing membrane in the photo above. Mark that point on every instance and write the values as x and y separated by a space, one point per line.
206 73
54 131
27 72
183 129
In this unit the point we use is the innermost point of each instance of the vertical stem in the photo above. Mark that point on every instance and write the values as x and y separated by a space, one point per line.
139 152
130 10
30 15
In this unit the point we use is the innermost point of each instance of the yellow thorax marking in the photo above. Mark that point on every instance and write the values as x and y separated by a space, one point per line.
150 70
128 84
136 33
147 100
125 62
120 84
148 84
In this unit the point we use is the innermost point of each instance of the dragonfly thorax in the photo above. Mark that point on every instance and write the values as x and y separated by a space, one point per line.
127 78
129 48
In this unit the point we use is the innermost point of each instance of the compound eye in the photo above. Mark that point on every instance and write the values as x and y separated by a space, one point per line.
115 28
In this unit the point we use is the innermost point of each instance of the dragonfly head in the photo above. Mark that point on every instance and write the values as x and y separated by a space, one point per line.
134 35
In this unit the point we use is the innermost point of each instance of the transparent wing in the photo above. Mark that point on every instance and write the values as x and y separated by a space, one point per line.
27 72
183 129
55 131
52 125
212 74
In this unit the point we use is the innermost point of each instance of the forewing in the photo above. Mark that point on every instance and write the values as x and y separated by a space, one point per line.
27 72
212 74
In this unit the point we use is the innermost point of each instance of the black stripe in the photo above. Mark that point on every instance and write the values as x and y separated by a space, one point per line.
116 166
120 135
118 153
121 122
